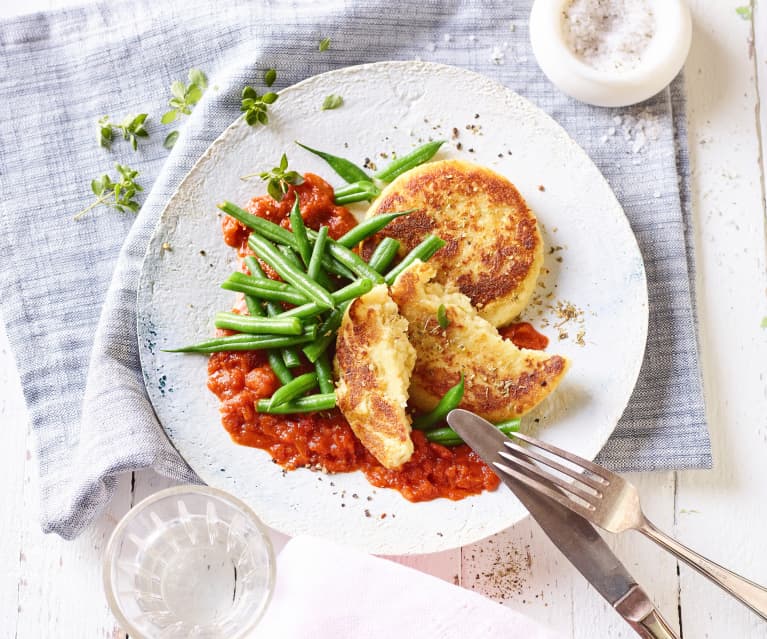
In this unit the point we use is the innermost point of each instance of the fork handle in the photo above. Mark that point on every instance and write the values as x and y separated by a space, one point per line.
751 594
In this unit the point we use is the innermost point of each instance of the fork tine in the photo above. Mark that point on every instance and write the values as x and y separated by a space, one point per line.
593 468
542 488
570 472
546 476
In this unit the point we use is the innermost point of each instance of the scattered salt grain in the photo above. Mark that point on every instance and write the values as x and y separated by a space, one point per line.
447 37
472 38
431 46
609 35
656 194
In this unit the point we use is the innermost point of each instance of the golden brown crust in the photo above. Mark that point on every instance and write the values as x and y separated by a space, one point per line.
494 250
373 364
501 380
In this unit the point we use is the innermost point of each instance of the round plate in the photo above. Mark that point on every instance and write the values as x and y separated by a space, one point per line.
592 300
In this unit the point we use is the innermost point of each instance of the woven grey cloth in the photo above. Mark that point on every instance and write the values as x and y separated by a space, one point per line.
68 288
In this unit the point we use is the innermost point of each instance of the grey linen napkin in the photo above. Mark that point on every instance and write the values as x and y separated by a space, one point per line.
68 288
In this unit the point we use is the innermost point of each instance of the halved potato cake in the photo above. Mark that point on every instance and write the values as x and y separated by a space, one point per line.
494 249
373 363
502 381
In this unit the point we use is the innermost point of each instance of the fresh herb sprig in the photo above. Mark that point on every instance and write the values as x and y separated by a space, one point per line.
119 195
269 77
185 96
131 128
255 106
279 179
324 44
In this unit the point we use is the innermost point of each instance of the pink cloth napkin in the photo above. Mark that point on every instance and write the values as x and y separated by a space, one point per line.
325 591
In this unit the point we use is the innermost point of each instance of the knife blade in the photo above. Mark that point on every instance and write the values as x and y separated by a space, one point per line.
575 537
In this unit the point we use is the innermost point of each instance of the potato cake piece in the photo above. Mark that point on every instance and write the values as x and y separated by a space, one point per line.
494 250
502 381
373 363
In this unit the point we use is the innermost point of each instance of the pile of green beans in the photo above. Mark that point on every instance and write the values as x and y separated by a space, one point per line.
359 185
320 277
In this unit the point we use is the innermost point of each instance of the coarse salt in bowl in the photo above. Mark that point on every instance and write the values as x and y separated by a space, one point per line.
610 52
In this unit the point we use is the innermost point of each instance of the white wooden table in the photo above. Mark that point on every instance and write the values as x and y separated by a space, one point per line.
52 588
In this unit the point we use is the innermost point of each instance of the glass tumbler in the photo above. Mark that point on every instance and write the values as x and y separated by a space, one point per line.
189 562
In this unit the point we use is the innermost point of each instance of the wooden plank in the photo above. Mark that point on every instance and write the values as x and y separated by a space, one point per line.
14 454
721 512
60 589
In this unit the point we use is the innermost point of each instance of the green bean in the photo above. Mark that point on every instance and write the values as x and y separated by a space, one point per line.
290 255
449 401
418 156
445 436
324 373
367 228
349 259
336 268
384 254
430 245
292 390
356 192
509 426
308 404
290 356
269 230
299 232
448 437
278 366
315 260
348 292
259 325
288 272
264 289
345 168
243 343
327 333
276 233
255 307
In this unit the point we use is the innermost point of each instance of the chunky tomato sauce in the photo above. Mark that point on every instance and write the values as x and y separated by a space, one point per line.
325 440
524 336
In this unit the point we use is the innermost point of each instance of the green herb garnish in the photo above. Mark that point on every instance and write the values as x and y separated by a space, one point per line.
170 140
278 179
269 77
744 12
332 102
117 195
185 96
324 44
254 106
131 128
442 319
764 323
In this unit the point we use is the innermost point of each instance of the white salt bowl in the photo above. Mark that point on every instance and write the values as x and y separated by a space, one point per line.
660 61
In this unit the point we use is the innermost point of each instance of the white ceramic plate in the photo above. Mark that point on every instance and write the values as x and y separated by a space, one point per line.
592 263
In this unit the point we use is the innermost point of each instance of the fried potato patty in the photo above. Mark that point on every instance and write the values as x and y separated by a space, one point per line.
373 363
502 381
494 249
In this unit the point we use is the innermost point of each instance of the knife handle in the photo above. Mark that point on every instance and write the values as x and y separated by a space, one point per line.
640 613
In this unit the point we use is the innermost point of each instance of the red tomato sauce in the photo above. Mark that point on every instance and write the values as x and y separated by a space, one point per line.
524 336
325 440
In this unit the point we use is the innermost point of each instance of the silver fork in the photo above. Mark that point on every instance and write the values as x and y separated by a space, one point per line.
610 502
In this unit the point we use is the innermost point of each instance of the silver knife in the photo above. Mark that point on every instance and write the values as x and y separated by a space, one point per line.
572 534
